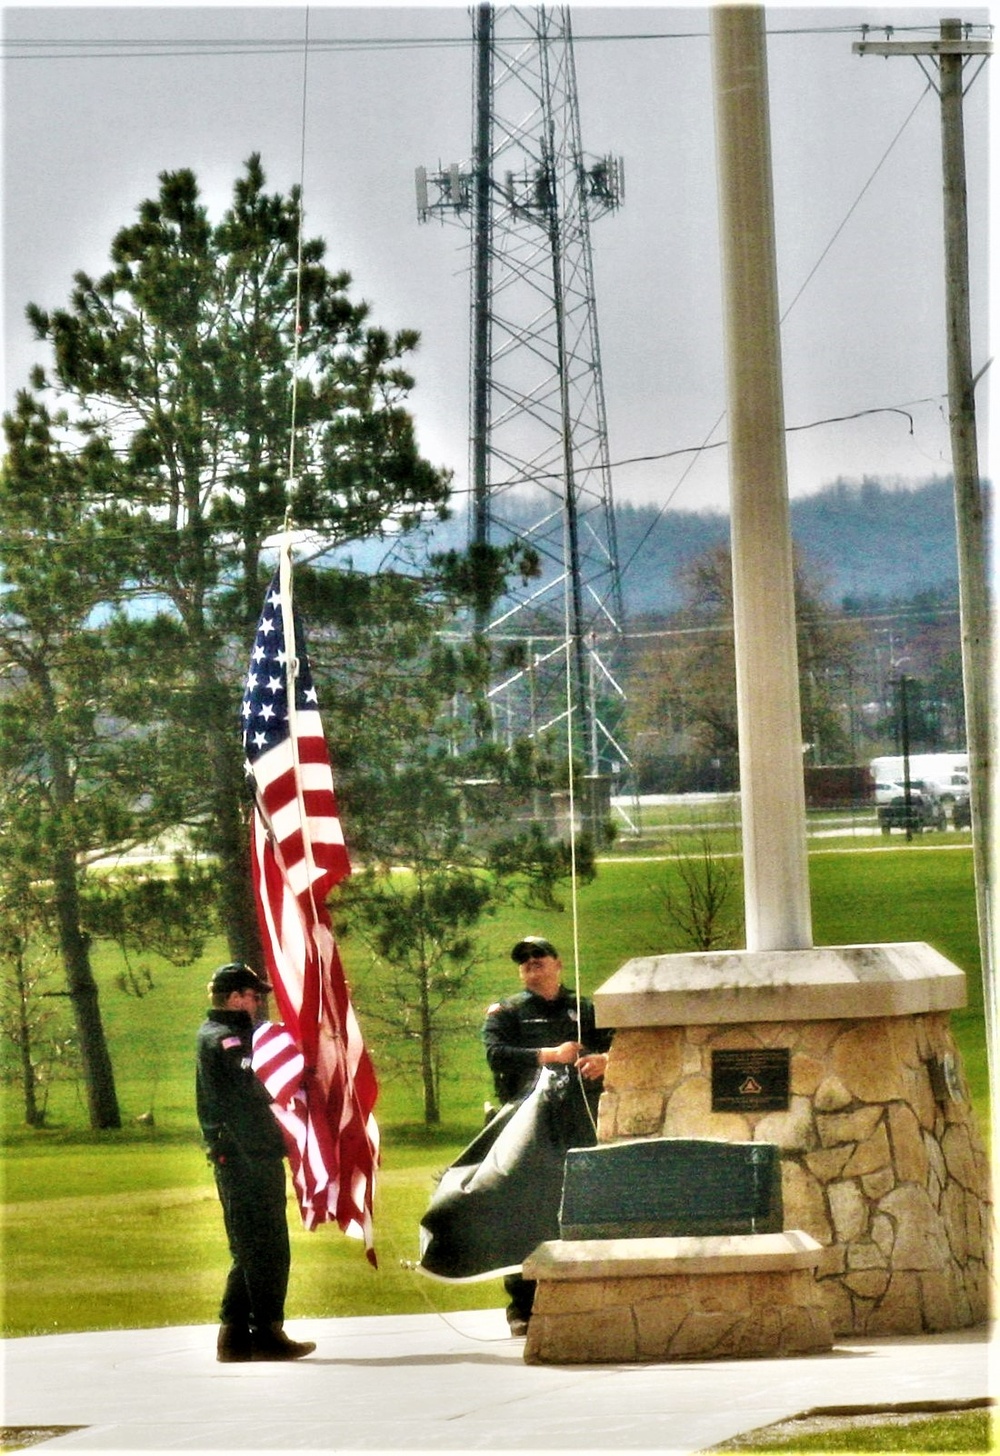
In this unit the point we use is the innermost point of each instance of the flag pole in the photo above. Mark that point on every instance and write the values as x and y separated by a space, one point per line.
318 929
321 1080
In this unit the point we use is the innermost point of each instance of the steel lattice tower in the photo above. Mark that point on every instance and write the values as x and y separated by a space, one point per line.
539 462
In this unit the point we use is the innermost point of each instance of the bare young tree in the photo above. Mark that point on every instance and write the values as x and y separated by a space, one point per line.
37 1037
705 906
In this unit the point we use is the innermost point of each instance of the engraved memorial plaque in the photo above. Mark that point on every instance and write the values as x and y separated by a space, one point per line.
751 1080
671 1187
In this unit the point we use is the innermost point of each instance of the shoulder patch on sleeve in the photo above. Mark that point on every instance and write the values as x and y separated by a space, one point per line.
230 1041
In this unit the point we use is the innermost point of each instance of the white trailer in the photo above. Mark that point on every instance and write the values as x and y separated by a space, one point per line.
944 773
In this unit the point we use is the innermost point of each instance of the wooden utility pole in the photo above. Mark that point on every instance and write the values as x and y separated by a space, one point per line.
953 48
775 864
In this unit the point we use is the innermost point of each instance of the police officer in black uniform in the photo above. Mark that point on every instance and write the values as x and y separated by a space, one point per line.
542 1026
246 1149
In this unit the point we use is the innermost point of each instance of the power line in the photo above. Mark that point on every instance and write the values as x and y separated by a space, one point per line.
124 49
820 260
724 627
882 409
856 203
119 48
898 409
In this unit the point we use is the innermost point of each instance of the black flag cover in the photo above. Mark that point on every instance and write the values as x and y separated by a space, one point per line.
500 1198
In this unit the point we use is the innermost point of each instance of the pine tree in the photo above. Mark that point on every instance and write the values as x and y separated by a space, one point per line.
68 788
181 360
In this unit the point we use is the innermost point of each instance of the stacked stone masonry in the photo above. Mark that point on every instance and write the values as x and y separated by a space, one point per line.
885 1172
711 1306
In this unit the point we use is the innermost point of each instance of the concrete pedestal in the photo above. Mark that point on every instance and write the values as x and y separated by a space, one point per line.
737 1295
882 1160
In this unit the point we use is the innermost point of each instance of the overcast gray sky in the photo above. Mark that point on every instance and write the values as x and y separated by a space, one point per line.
87 130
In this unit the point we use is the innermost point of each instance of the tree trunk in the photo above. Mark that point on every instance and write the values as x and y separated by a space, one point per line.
102 1099
432 1111
32 1116
232 843
232 834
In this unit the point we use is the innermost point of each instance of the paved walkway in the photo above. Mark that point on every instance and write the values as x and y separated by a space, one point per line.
446 1383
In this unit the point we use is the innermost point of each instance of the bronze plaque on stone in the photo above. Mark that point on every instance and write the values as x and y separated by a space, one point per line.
754 1080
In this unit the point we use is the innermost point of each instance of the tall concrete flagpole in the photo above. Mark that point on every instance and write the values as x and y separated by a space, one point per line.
776 881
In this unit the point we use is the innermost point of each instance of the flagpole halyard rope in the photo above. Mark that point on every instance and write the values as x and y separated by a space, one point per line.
572 714
297 854
298 268
291 680
285 549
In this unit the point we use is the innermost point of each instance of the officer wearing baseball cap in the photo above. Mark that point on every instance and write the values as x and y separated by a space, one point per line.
544 1025
532 945
237 977
541 1025
246 1148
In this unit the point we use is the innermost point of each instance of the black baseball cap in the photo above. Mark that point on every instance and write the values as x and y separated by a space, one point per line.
235 976
532 945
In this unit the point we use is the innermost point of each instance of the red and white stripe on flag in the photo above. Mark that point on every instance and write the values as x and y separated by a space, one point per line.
294 788
314 1064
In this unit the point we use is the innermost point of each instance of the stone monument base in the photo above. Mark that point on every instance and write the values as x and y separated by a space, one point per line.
844 1059
707 1297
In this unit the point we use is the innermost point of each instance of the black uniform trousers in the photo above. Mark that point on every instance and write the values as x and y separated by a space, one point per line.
577 1123
252 1194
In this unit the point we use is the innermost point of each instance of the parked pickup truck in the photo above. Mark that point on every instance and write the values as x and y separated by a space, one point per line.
961 810
926 810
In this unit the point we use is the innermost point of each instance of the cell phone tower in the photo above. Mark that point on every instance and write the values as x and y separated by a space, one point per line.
540 470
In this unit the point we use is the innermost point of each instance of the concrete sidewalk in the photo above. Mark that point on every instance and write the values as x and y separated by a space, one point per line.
446 1383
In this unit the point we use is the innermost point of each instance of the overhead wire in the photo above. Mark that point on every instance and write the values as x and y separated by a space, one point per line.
127 50
145 48
243 47
307 43
321 547
812 273
855 204
298 266
652 457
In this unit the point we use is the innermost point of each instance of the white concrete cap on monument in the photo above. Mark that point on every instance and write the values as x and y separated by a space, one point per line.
705 988
697 1254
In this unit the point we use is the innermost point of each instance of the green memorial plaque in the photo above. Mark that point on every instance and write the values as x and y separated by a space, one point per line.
752 1080
671 1187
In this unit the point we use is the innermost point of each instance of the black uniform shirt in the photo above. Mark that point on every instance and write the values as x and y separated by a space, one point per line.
518 1026
234 1109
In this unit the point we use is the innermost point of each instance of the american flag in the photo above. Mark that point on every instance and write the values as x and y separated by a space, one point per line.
314 1063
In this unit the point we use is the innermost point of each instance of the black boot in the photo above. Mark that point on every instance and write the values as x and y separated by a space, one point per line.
522 1297
274 1344
235 1343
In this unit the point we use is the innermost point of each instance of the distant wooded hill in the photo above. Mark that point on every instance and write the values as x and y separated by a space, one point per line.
867 540
873 541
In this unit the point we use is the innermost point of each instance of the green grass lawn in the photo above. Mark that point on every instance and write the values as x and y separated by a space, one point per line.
959 1431
122 1229
129 1235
